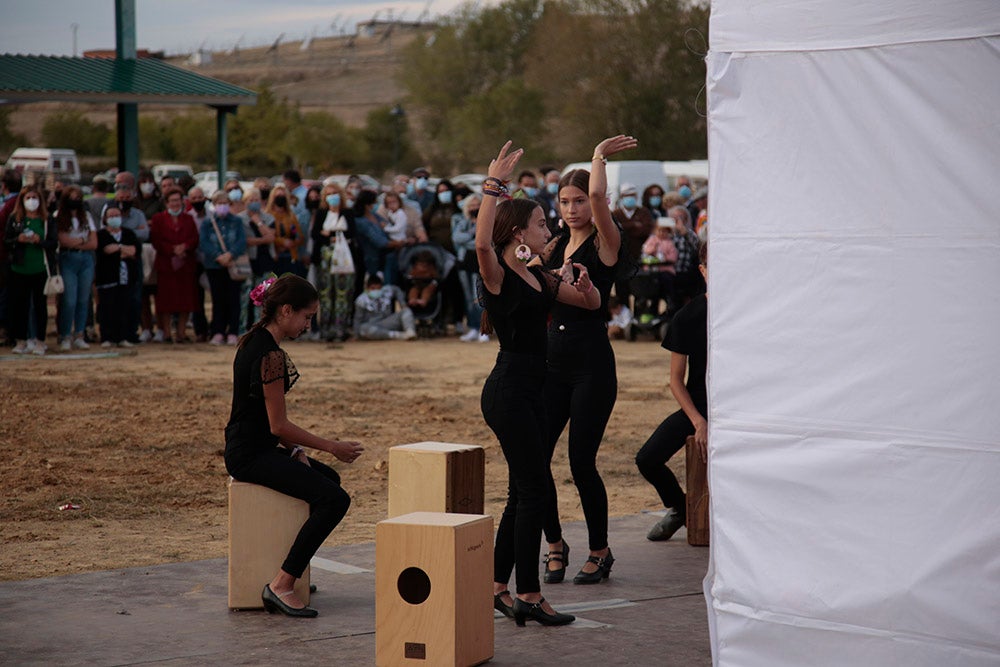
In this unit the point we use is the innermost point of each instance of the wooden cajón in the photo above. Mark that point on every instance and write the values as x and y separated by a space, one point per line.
436 477
697 495
262 526
434 590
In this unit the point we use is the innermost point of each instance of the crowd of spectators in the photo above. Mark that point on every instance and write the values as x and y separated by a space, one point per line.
143 261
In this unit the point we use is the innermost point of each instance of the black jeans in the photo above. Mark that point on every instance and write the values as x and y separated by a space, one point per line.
225 302
318 484
512 406
27 290
113 318
667 440
580 388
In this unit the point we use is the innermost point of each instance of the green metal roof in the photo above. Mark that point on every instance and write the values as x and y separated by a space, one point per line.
112 80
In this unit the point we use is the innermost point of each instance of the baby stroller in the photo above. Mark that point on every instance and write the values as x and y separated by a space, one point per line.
647 292
414 264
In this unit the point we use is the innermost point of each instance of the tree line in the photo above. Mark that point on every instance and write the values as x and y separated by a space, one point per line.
553 76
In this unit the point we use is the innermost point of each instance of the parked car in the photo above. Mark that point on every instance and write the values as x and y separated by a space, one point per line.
60 162
175 170
472 181
208 181
367 182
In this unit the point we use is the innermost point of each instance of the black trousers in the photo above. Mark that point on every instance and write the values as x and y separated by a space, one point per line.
581 387
113 317
668 438
27 290
512 406
318 484
225 302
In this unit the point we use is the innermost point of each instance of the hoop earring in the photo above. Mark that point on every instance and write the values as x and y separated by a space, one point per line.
523 253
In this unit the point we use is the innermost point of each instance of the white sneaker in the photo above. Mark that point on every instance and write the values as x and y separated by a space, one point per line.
66 345
484 338
21 348
40 348
107 343
145 336
469 336
217 339
81 344
30 347
232 339
125 343
158 337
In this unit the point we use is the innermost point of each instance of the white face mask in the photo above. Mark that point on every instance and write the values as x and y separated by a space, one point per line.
31 204
146 188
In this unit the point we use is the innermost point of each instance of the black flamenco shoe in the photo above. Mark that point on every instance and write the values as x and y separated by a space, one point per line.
598 575
556 576
501 606
312 588
525 611
273 604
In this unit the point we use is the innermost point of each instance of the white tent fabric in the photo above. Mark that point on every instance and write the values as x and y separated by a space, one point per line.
854 332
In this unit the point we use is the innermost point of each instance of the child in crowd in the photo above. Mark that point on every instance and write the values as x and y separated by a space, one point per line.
118 250
424 278
395 216
621 318
375 314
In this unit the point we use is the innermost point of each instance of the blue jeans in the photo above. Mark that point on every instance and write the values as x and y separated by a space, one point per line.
77 269
473 311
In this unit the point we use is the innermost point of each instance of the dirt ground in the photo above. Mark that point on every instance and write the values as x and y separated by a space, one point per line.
136 442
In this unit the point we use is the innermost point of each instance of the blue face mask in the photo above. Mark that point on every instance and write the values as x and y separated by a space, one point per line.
254 207
235 195
374 293
333 201
531 192
684 192
444 197
114 222
410 189
628 202
375 207
421 183
553 188
655 201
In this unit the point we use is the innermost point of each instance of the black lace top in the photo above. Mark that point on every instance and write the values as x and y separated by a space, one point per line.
519 313
601 275
260 361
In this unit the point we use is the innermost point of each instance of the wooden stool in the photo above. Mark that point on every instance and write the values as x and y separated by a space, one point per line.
434 589
262 526
697 495
436 477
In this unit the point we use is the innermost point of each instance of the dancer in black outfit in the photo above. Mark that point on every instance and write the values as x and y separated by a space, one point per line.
581 384
264 447
518 298
687 340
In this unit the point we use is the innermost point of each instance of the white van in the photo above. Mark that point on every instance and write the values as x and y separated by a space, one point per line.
175 170
639 173
696 170
61 162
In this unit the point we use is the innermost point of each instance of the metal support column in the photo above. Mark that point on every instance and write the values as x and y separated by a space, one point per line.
128 114
222 141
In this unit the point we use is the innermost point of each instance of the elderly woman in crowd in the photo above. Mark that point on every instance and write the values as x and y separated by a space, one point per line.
175 237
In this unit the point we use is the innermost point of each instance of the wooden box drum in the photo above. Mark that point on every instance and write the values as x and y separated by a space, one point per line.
436 477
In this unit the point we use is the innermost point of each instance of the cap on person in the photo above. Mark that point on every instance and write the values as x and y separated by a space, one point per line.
420 171
627 189
666 221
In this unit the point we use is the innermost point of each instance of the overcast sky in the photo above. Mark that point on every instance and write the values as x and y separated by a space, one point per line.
182 26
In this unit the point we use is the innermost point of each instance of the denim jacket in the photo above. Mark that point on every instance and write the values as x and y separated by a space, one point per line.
233 233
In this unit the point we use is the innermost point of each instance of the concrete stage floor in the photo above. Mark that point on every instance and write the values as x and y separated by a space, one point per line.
651 611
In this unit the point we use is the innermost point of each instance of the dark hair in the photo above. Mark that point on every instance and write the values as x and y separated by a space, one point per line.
289 290
365 198
524 173
703 253
579 178
374 279
12 180
173 190
512 215
66 214
293 175
185 183
648 192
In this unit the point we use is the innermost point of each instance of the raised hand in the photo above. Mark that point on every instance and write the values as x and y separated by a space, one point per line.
583 282
502 166
616 144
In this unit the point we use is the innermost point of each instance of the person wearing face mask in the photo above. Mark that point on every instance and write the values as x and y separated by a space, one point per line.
118 252
637 224
437 222
77 241
295 189
289 239
420 190
174 235
259 228
197 209
32 236
415 232
218 254
463 236
148 198
335 283
548 197
527 185
263 185
381 312
234 191
652 201
134 219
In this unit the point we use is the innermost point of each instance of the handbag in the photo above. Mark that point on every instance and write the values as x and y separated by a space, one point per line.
239 269
53 283
341 261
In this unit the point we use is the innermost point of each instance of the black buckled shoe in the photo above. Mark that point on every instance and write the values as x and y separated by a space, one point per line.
273 603
501 606
556 576
525 611
600 574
